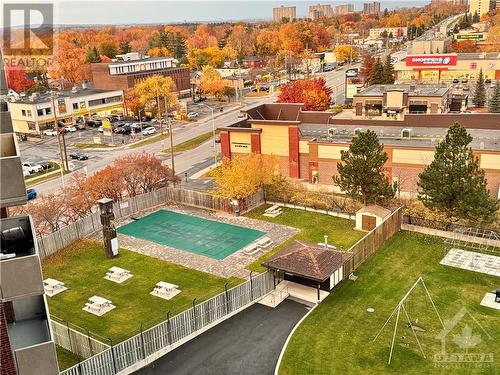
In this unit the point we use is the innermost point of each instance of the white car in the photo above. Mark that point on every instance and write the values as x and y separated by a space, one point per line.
100 129
192 115
71 128
32 167
149 130
26 172
50 132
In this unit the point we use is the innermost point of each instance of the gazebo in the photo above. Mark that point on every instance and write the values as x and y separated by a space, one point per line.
309 264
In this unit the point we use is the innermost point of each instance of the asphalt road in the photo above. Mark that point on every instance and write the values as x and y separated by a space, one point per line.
248 343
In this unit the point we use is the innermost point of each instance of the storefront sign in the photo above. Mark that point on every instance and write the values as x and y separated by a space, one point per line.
106 127
240 145
469 36
61 106
351 73
431 60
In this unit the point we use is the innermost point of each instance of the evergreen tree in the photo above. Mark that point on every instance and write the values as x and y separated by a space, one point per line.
108 49
386 12
454 183
361 172
475 17
92 56
388 71
377 76
125 47
495 99
479 99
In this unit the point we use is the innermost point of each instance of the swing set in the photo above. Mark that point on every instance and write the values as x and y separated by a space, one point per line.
401 308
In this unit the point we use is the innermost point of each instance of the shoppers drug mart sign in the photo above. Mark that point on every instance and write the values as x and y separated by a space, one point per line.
431 60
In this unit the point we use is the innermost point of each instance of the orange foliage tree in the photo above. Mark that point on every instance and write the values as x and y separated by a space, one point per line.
312 92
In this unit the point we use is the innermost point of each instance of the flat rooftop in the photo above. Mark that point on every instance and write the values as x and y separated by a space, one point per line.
45 97
412 90
392 135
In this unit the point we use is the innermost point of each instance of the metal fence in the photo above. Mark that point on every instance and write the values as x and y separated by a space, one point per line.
173 331
58 240
373 240
84 346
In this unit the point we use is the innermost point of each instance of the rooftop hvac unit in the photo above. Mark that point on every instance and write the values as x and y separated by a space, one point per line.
332 132
358 130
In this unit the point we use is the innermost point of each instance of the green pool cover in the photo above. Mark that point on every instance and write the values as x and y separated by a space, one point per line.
190 233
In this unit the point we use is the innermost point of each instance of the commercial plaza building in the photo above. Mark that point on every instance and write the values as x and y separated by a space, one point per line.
447 67
308 145
32 114
26 344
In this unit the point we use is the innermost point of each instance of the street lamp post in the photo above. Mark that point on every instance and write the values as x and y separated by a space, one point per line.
58 134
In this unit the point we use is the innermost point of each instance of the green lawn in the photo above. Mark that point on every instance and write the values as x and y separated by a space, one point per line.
150 140
337 337
53 167
82 267
65 358
190 144
313 226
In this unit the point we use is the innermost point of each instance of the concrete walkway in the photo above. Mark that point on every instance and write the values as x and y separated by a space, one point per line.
249 343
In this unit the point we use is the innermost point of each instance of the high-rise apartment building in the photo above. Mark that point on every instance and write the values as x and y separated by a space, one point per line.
26 345
480 6
318 11
284 12
371 8
344 9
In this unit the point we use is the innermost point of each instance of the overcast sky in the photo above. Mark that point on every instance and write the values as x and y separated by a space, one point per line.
145 11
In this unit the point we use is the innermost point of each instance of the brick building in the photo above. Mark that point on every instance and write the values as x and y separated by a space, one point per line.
308 145
371 8
125 74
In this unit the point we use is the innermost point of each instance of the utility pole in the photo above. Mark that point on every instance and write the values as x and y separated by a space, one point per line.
56 128
171 145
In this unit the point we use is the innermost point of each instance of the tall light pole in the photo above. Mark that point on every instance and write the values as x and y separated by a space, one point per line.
56 128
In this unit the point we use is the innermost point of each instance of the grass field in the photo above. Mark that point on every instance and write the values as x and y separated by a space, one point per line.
82 268
150 140
313 226
337 337
65 358
190 144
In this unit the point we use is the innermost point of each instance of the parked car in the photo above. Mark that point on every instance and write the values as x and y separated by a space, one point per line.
118 117
31 194
465 80
45 164
487 80
192 115
50 132
80 126
26 172
455 80
78 155
71 128
136 127
94 123
125 129
100 129
32 167
149 130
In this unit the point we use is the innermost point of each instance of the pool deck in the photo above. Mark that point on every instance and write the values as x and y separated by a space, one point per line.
232 265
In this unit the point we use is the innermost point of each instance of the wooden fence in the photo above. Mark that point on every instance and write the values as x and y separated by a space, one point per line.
84 346
174 331
373 240
90 224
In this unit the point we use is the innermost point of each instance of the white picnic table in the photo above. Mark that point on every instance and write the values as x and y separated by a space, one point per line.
119 271
99 301
165 286
53 283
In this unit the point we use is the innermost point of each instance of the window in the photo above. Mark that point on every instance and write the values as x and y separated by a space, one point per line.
48 111
23 112
39 112
28 113
75 105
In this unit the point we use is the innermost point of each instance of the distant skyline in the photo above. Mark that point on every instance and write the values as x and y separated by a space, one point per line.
70 12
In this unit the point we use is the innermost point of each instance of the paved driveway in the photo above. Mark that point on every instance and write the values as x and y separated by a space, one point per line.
248 343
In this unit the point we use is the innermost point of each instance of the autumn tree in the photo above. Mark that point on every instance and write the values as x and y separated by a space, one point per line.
48 213
79 198
159 52
17 79
243 176
211 83
454 183
159 90
313 93
360 172
345 53
131 101
464 46
106 183
367 67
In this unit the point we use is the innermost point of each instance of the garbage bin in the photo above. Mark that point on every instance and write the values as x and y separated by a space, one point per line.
236 211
